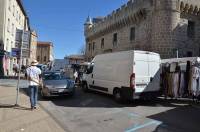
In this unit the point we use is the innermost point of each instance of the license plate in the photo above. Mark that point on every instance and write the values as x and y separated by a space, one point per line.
60 90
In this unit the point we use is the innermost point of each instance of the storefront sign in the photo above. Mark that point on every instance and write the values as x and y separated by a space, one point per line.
15 52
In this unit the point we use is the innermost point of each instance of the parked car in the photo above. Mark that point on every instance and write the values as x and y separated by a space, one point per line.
126 75
55 84
42 67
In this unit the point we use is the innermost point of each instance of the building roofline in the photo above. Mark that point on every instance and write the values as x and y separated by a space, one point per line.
24 12
75 57
45 43
22 7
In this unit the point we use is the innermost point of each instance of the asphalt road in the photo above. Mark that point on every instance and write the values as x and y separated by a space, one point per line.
95 112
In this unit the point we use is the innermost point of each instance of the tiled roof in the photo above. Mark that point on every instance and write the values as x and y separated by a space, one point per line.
42 43
75 57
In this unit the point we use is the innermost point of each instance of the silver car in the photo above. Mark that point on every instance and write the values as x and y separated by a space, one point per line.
55 84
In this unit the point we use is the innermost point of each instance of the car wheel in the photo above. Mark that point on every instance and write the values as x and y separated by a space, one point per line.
85 87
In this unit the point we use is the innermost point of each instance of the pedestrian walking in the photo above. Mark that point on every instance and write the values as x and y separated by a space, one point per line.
23 68
33 75
76 76
15 69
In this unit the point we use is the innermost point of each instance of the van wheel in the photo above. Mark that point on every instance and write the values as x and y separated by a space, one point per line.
85 87
117 96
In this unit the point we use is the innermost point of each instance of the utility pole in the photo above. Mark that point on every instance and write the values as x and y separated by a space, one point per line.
20 63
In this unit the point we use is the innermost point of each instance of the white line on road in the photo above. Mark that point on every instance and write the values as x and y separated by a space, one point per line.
143 125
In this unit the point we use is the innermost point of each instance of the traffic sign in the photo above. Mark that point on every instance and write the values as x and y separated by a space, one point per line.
15 52
23 43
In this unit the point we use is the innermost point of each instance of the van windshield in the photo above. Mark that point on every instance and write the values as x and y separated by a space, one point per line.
90 69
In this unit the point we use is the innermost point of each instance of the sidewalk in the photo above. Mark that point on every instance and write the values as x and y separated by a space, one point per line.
17 119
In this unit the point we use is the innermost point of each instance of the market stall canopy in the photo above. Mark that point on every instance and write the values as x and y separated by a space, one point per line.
181 60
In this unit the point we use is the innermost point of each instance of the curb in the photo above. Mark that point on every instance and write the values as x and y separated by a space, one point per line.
54 118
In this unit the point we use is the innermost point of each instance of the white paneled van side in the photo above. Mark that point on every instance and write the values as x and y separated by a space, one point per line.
126 75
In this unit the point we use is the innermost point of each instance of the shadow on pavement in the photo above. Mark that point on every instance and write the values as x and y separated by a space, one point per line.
22 108
6 106
95 99
14 107
185 118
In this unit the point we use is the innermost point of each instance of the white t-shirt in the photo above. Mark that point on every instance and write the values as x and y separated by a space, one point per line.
76 74
33 72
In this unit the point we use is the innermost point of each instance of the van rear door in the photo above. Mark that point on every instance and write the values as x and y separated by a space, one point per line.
141 70
154 73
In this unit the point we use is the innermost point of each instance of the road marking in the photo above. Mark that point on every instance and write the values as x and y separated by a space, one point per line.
133 114
136 127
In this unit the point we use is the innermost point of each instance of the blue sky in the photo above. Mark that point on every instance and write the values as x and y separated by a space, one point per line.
61 21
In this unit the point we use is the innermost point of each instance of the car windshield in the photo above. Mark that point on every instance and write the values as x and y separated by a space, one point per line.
53 76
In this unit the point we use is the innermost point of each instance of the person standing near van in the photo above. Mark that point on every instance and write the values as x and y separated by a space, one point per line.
76 76
33 75
15 69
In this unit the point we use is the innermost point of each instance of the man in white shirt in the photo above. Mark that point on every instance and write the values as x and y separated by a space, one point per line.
33 75
76 76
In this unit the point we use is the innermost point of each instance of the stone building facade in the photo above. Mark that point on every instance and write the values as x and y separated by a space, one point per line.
45 53
75 59
167 27
33 46
12 17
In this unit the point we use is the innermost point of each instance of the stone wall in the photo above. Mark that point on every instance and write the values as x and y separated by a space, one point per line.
33 46
165 20
42 52
133 14
160 26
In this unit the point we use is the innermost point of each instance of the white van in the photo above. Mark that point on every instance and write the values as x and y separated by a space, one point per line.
126 75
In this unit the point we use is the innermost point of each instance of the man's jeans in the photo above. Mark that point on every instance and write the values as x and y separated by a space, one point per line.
33 94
